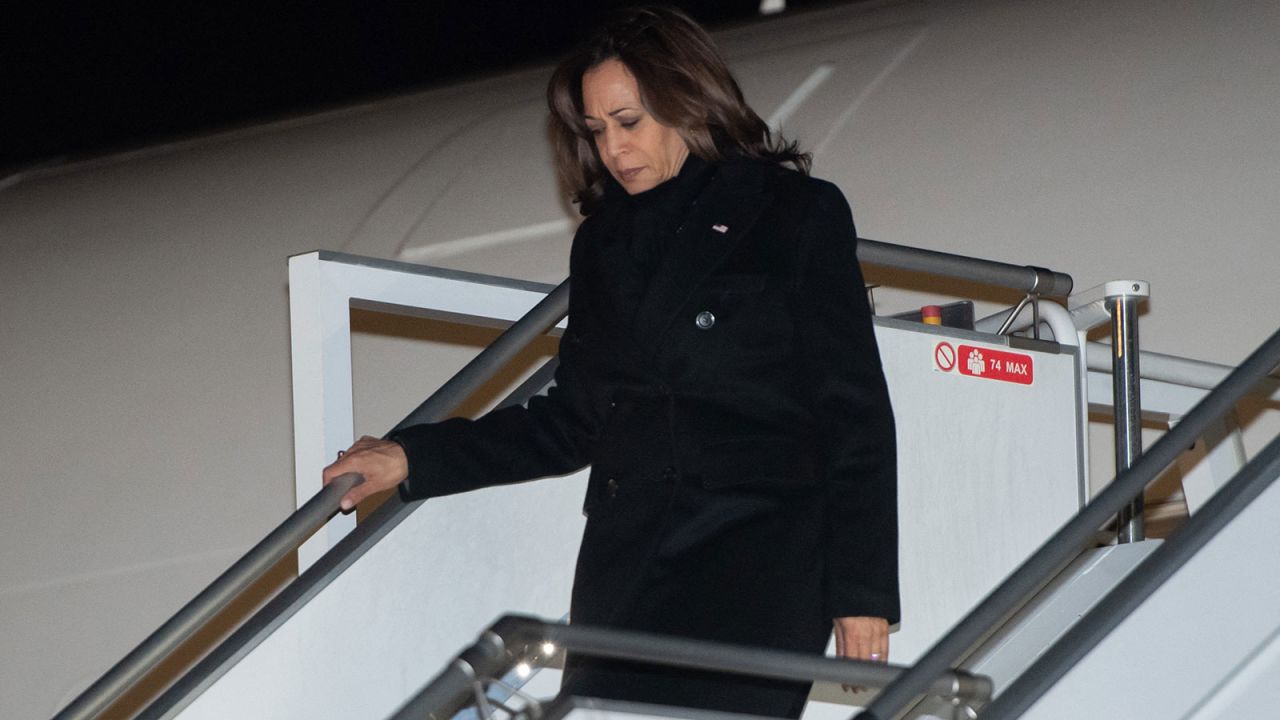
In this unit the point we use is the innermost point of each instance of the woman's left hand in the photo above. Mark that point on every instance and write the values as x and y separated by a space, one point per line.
862 638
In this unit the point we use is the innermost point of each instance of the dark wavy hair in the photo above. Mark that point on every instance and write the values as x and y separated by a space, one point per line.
684 84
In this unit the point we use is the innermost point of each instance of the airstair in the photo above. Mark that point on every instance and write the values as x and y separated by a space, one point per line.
1024 594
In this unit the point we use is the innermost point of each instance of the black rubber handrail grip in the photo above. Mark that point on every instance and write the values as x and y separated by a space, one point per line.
1023 278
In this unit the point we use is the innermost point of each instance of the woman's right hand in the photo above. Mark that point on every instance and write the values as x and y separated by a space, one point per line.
382 463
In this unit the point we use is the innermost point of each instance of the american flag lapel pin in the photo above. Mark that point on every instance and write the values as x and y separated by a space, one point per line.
722 229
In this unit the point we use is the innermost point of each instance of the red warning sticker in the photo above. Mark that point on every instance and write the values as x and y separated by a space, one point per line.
992 364
944 357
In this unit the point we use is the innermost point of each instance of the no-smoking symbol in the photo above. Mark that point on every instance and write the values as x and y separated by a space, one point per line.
944 356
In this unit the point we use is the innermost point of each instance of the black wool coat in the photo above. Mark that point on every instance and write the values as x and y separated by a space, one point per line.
738 428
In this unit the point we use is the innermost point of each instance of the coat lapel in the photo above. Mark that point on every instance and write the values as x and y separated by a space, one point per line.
725 212
599 283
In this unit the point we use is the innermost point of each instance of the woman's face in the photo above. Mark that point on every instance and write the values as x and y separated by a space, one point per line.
639 151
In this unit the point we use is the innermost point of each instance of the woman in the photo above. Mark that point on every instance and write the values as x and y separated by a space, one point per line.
719 373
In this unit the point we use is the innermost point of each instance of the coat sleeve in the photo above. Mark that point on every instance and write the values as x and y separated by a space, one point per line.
841 365
552 435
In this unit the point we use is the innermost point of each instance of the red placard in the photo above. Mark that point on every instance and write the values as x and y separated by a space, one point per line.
992 364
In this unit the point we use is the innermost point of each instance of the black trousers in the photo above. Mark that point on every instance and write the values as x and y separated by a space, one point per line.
680 687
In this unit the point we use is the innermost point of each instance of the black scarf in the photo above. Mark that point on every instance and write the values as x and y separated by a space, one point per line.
649 221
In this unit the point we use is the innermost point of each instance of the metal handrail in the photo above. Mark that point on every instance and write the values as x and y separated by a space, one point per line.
547 313
1023 278
273 548
1197 374
515 639
535 323
1227 503
1058 550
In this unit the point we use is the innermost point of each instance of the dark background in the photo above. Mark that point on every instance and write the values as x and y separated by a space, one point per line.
83 78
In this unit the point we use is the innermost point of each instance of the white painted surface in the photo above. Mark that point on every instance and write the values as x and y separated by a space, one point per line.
1077 589
1215 459
1211 626
1025 637
1249 692
323 417
387 625
987 472
144 362
321 295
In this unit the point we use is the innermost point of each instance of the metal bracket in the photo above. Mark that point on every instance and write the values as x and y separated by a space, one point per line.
1034 300
1089 308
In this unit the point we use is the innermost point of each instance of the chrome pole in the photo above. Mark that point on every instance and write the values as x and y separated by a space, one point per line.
1127 398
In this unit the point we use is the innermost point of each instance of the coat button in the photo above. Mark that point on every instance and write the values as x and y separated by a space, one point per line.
705 320
612 488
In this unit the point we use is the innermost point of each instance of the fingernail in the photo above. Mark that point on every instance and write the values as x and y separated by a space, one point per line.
345 504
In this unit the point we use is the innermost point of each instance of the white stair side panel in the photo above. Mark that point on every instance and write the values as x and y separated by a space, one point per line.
382 629
1066 600
1053 611
1211 626
1250 690
988 470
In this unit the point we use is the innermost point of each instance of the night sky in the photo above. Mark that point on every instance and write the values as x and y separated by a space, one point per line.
84 78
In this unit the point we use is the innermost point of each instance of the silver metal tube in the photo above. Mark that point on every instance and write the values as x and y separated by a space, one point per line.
1065 544
1179 370
1023 278
757 662
1013 315
204 606
450 690
1035 316
1138 585
1053 315
547 313
454 688
722 657
1127 401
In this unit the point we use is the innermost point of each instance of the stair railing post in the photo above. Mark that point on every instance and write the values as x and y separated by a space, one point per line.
1122 303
